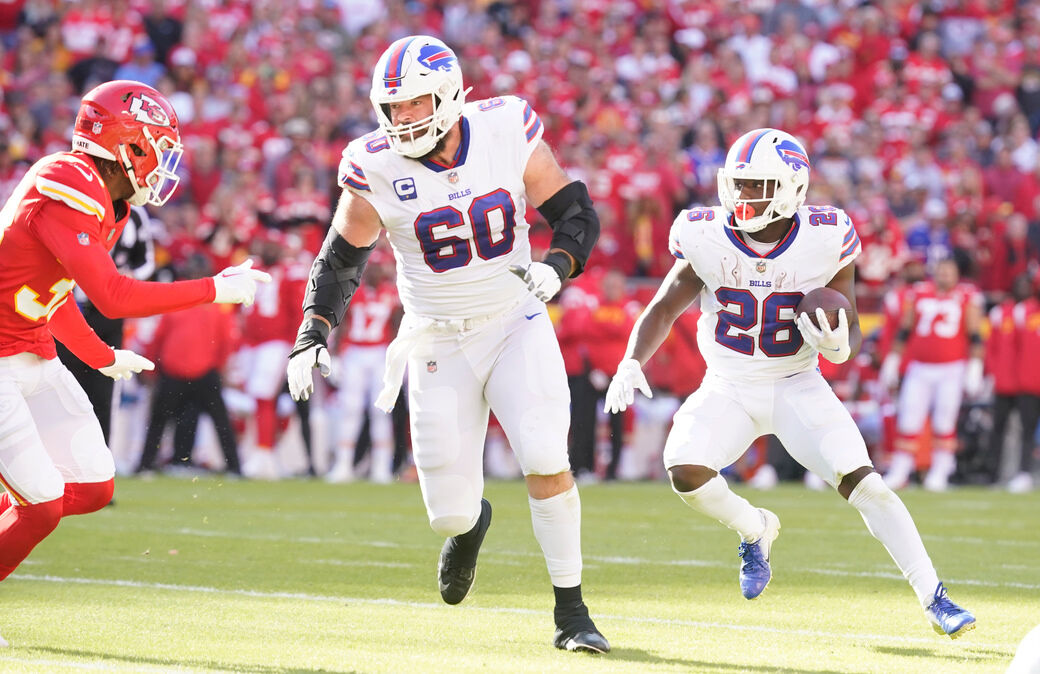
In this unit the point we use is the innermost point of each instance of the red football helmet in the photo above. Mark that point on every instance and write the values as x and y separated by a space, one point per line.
133 124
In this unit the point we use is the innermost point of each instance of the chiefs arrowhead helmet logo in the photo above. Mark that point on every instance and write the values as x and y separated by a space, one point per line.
145 110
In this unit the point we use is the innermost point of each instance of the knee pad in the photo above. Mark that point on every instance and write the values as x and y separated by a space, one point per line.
87 497
452 525
452 503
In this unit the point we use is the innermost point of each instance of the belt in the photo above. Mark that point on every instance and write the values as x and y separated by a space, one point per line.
422 330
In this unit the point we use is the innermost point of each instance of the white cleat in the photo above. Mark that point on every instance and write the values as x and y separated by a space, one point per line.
341 473
899 471
765 478
936 481
262 465
814 482
1021 483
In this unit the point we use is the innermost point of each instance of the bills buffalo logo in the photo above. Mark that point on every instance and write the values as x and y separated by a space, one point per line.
437 58
792 154
145 110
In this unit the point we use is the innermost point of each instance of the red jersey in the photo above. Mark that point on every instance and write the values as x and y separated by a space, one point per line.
1027 316
1001 351
187 344
892 307
939 334
277 307
368 320
56 231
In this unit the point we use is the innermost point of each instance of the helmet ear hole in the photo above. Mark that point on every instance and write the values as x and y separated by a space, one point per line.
137 150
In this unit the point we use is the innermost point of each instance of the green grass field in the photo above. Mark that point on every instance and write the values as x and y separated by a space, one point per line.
302 576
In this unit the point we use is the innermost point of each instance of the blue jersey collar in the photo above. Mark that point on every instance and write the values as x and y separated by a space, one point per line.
460 153
784 244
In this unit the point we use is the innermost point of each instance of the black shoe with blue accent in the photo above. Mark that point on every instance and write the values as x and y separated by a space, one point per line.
575 631
458 563
946 617
755 572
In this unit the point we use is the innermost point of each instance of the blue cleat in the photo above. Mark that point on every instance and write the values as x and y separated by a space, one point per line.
946 617
755 572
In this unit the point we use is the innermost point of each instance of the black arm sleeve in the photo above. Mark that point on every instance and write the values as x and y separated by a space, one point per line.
575 227
335 275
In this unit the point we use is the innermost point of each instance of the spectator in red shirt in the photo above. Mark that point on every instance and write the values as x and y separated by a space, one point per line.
189 349
607 333
1002 364
1027 324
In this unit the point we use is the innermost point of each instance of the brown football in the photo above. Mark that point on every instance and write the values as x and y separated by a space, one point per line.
829 300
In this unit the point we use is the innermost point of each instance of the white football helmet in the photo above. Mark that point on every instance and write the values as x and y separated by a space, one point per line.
411 67
769 155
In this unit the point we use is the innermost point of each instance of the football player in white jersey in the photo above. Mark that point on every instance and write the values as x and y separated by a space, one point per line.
449 181
750 261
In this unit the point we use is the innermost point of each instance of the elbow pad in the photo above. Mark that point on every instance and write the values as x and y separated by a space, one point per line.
574 223
335 275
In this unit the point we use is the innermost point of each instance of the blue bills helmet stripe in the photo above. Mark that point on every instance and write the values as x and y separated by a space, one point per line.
395 64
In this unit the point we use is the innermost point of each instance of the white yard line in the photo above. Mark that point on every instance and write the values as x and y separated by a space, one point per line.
609 559
1008 647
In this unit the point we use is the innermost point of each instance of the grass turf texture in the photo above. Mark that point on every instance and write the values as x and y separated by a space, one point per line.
207 575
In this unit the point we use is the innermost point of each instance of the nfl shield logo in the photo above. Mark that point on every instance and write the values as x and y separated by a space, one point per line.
83 238
760 267
96 128
431 366
453 177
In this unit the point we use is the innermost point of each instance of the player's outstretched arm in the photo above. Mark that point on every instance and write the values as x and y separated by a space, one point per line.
567 207
70 328
677 292
334 277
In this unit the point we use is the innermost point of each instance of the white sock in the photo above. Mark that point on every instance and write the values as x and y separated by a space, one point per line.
557 527
889 521
715 499
943 463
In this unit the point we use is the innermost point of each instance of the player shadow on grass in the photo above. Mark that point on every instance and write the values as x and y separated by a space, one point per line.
638 655
207 665
974 654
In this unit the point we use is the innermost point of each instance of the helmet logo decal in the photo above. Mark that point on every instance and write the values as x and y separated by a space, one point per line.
97 128
395 65
792 155
145 110
437 58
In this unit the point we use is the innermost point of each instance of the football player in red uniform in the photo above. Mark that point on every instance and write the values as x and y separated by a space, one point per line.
371 324
939 331
55 233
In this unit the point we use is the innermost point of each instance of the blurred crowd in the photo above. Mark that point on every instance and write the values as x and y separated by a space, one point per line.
921 118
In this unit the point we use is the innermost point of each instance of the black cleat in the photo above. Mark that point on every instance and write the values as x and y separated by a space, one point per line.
458 563
575 631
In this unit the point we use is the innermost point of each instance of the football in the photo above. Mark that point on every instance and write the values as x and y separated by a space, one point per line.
829 300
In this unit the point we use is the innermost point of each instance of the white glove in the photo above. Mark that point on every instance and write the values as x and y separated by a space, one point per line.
126 364
889 373
301 368
541 279
237 285
621 391
833 344
973 377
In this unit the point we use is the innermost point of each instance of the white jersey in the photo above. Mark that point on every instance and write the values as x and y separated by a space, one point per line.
747 330
456 229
